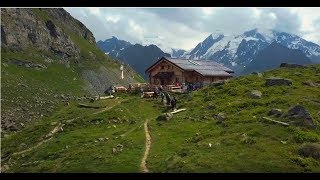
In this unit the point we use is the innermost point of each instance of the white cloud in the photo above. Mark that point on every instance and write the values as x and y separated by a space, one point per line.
186 27
113 19
95 11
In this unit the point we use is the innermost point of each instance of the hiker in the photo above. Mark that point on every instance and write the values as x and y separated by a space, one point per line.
110 90
141 91
162 96
160 88
168 99
155 93
173 103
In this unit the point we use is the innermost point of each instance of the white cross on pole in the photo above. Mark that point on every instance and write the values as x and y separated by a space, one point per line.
121 68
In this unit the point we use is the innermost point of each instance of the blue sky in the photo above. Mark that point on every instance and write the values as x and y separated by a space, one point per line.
185 27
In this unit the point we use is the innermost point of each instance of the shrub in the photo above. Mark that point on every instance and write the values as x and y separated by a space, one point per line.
302 136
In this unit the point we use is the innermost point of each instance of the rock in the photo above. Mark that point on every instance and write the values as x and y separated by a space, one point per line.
117 149
101 139
309 83
132 122
165 117
310 150
302 116
276 112
257 73
283 142
255 94
278 82
220 117
291 65
95 141
115 121
211 106
22 124
12 127
298 73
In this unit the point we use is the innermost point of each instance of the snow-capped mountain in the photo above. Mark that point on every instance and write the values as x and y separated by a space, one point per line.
237 51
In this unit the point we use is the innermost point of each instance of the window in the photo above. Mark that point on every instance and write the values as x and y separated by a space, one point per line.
168 66
177 79
197 79
162 67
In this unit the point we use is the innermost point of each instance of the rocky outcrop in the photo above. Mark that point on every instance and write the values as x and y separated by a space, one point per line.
278 82
70 23
310 150
24 28
301 116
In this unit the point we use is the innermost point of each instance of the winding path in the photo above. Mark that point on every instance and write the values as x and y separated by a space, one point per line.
143 165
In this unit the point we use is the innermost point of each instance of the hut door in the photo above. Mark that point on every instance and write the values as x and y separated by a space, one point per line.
162 81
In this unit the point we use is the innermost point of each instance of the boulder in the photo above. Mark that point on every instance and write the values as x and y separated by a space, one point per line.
278 82
220 117
310 150
255 94
257 73
287 65
309 83
165 117
276 112
301 115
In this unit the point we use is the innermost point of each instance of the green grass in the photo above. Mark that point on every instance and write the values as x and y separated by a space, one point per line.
243 143
83 154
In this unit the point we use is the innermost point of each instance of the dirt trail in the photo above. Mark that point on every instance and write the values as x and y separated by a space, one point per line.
108 108
146 152
48 138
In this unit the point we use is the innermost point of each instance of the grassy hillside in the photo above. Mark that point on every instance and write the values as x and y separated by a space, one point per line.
242 143
31 93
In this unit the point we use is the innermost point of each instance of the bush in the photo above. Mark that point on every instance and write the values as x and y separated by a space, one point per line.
301 137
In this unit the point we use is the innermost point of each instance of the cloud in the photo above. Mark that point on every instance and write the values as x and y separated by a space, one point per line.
186 27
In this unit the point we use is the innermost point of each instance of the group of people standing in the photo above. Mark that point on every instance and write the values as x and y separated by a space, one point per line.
170 101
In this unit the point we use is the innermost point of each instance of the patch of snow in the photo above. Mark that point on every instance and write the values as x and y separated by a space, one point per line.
215 36
121 49
234 63
267 33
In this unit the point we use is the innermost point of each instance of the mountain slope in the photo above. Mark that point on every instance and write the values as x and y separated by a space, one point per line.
139 57
273 55
237 51
49 57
